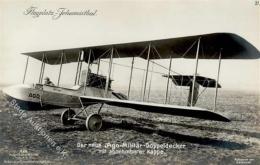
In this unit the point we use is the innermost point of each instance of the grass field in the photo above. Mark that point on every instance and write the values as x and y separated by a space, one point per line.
206 142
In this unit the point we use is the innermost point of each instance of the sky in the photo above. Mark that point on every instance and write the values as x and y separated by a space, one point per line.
126 21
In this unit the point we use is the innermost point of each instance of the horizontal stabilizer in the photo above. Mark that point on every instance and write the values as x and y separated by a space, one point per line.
186 80
176 110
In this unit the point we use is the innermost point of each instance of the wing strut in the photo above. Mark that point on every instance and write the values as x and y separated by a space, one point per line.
76 78
216 94
98 65
147 67
42 69
169 72
130 80
86 79
25 71
80 65
109 71
195 74
150 84
61 62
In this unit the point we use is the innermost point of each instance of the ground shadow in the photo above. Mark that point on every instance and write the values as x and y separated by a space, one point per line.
107 124
179 137
200 127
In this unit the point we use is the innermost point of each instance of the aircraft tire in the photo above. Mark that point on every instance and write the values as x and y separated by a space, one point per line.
68 113
94 122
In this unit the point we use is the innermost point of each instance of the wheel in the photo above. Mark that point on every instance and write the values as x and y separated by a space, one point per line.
94 122
66 117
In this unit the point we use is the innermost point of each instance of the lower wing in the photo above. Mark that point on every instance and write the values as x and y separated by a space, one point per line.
176 110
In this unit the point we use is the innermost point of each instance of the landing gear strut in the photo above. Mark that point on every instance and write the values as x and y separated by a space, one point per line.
93 122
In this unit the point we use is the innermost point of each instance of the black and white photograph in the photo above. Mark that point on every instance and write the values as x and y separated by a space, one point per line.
130 82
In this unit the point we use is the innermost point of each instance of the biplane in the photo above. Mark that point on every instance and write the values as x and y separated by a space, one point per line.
94 88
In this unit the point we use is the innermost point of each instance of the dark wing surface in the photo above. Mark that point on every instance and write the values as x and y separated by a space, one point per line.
186 80
185 111
233 46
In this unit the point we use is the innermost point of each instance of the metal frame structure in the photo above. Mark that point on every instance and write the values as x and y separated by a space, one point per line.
150 49
152 53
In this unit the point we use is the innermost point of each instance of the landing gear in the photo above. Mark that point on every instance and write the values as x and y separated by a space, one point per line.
67 117
94 122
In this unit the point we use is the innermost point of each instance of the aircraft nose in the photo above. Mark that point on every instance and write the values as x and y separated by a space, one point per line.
21 94
7 96
14 92
5 91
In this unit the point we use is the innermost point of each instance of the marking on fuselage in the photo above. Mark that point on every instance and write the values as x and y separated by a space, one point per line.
34 95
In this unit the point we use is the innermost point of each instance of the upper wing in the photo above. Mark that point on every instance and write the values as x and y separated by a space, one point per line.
234 47
194 112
